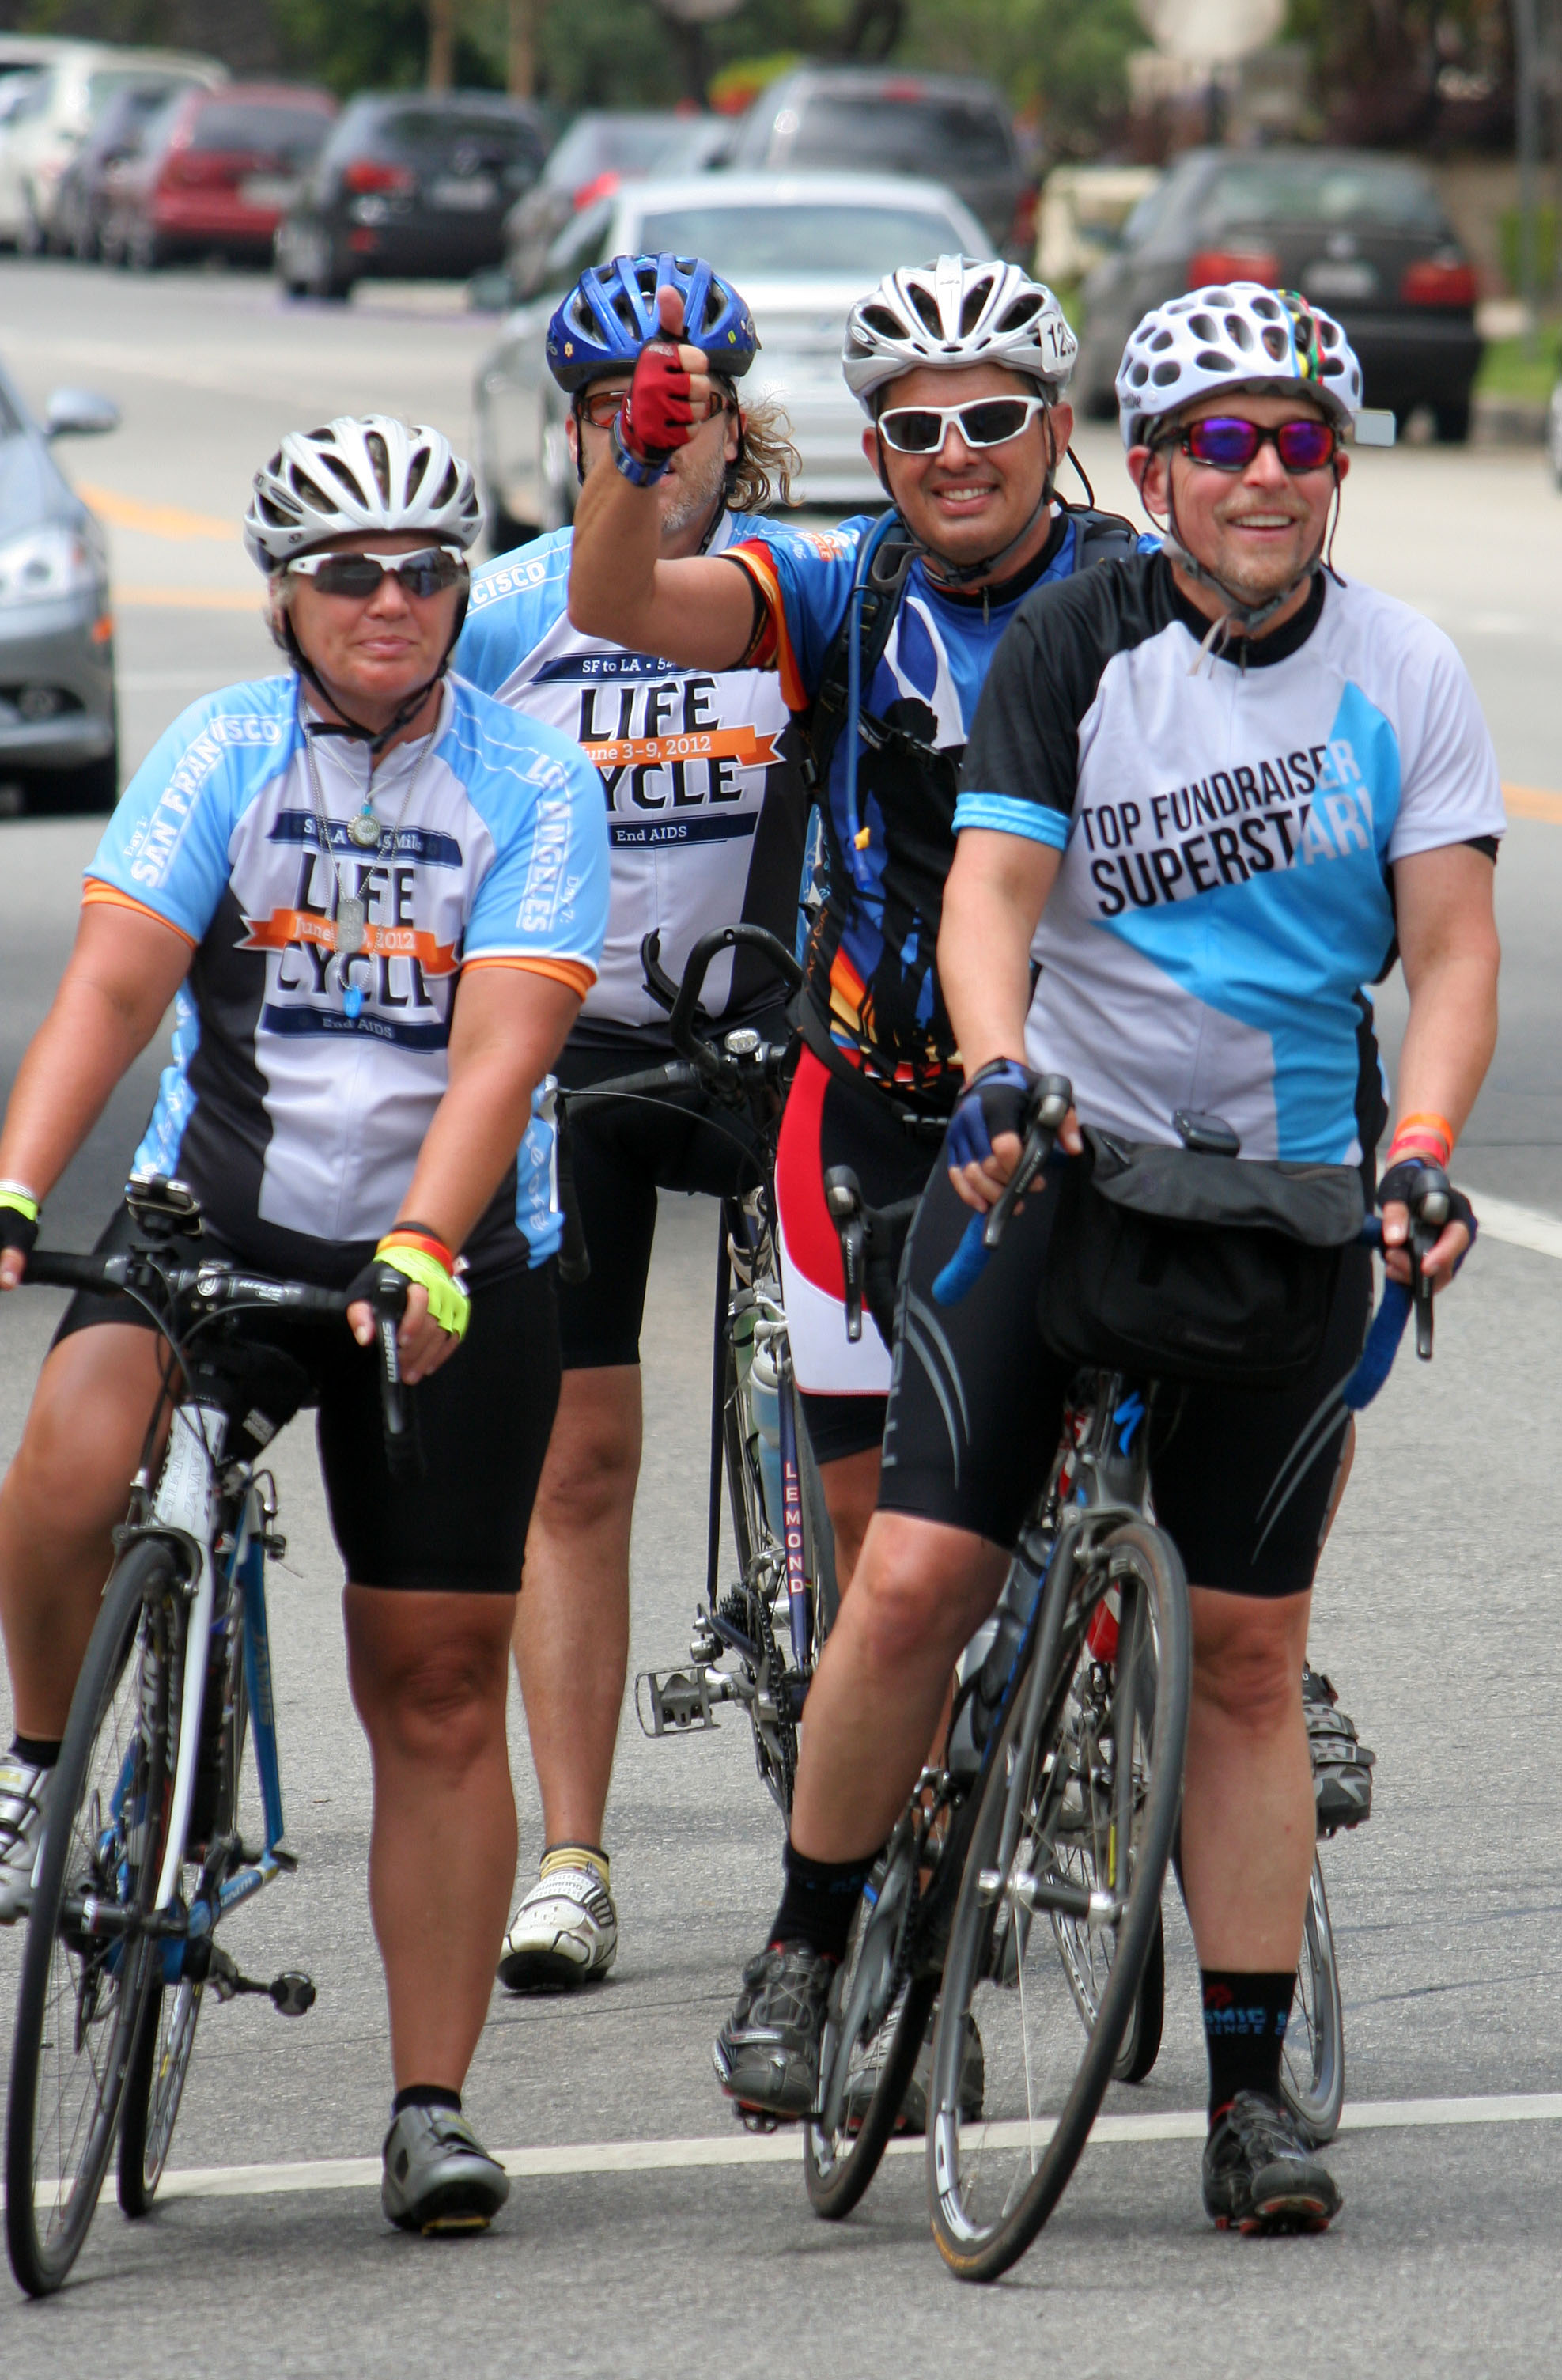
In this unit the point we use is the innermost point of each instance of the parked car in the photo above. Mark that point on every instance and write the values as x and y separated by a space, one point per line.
58 742
881 120
410 185
800 248
52 120
76 225
600 150
1364 235
216 171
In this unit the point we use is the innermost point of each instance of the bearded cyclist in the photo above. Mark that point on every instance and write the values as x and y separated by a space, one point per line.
1205 790
702 781
376 899
960 367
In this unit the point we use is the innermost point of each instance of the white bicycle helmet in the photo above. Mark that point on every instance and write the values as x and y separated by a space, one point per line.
367 472
943 317
1234 336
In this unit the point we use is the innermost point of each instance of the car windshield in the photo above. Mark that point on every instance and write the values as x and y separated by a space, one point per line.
609 144
254 128
866 242
102 87
1359 194
939 136
435 138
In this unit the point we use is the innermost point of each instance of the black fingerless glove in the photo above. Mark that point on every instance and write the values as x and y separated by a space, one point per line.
997 1100
1405 1182
18 1221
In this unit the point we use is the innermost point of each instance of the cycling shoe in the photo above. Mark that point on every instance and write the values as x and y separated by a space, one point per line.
564 1933
1260 2173
438 2175
913 2116
24 1799
1342 1766
766 2054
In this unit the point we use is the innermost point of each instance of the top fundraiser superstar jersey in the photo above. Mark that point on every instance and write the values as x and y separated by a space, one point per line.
699 772
870 963
1228 830
296 1122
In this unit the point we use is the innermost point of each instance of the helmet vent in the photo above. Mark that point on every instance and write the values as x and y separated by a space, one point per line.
1024 310
417 471
310 492
880 319
1167 375
1159 344
375 448
927 311
976 298
1236 331
1202 326
340 472
1211 359
1275 343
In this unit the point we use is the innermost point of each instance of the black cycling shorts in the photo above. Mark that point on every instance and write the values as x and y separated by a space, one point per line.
977 1403
623 1152
483 1421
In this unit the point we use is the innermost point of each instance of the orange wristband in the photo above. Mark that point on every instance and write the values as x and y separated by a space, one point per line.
409 1236
1423 1130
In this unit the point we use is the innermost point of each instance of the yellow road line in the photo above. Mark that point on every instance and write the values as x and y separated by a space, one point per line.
1524 801
154 520
187 599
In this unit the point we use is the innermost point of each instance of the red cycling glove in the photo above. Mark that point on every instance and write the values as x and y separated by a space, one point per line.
658 414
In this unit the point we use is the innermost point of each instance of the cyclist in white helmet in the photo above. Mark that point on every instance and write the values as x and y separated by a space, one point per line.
307 866
1205 789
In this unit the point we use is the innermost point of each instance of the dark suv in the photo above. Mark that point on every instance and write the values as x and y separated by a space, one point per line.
949 128
1366 236
410 186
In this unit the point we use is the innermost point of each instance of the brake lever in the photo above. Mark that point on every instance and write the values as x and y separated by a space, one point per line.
843 1196
1052 1106
404 1452
1429 1213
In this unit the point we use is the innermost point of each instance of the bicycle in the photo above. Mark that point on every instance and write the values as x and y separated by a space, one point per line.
770 1627
121 1946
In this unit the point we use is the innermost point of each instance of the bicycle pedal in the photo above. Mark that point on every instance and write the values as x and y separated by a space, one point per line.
678 1702
758 2119
291 1994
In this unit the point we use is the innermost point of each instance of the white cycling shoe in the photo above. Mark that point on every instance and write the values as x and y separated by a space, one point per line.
566 1931
24 1801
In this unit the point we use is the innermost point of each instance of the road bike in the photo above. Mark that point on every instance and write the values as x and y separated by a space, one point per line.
143 1857
756 1643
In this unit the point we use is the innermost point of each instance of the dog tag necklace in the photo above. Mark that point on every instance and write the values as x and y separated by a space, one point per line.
367 834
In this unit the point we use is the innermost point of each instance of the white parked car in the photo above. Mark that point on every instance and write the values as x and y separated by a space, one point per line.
53 115
800 248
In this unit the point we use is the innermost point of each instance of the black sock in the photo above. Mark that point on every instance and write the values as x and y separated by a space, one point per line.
1244 2028
818 1901
38 1751
425 2094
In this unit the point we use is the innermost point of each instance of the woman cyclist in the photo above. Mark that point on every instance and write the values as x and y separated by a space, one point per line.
376 898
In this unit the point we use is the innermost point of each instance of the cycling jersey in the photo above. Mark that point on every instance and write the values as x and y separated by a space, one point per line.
701 772
1226 827
870 963
296 1105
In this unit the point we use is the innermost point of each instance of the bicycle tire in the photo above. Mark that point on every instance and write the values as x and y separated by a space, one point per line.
1313 2064
991 2193
88 1989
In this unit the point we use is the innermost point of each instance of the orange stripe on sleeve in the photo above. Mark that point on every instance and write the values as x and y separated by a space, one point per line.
97 895
775 650
575 972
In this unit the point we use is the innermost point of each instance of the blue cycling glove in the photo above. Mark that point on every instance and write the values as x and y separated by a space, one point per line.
997 1100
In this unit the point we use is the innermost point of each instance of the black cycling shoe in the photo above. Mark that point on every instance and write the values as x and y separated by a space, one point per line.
1342 1766
766 2055
1260 2173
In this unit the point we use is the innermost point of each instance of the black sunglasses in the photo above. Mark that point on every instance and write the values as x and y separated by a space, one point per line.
1226 442
430 571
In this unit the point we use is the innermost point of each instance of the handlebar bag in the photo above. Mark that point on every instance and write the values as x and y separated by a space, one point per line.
1176 1266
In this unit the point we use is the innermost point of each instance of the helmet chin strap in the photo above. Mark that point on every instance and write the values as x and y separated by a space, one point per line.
990 566
1239 617
374 738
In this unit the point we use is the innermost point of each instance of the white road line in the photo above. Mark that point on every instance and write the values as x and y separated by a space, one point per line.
1520 1227
785 2148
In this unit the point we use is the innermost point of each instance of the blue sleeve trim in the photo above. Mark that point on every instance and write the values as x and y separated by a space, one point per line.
1005 815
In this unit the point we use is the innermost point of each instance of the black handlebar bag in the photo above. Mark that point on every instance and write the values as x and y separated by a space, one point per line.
1177 1266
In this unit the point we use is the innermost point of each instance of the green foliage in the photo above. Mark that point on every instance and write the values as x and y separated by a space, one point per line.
1067 58
373 44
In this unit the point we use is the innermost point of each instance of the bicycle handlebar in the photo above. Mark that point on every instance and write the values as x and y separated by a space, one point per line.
1053 1099
681 1020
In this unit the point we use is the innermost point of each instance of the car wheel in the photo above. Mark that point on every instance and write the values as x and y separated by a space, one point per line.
1451 422
74 793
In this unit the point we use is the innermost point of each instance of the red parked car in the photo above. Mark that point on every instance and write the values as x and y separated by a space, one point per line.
216 170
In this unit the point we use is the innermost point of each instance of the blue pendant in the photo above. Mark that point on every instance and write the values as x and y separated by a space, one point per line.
352 1001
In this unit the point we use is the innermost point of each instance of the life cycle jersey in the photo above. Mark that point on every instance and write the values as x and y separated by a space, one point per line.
297 1122
1226 832
871 977
701 774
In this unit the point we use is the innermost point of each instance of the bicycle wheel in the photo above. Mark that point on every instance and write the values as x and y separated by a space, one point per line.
1313 2066
1057 1782
87 1966
876 2023
160 2061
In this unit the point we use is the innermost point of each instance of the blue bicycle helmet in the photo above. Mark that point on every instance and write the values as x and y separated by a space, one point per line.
610 313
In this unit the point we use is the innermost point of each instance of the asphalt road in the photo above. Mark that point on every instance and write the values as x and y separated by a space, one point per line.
1435 1612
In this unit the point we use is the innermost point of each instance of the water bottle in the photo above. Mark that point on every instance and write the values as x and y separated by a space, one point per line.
983 1673
764 1403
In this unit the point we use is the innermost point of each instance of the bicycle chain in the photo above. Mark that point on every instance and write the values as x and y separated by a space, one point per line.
786 1729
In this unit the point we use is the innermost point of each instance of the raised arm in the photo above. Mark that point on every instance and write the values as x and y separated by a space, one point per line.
698 612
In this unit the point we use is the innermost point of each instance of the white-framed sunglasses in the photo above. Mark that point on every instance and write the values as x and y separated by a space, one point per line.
981 422
430 571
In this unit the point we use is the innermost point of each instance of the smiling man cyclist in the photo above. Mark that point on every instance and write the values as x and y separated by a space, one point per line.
1205 789
375 898
706 809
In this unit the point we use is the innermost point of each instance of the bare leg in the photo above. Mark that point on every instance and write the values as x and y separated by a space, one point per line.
430 1674
69 1486
571 1622
1248 1815
851 1491
918 1593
